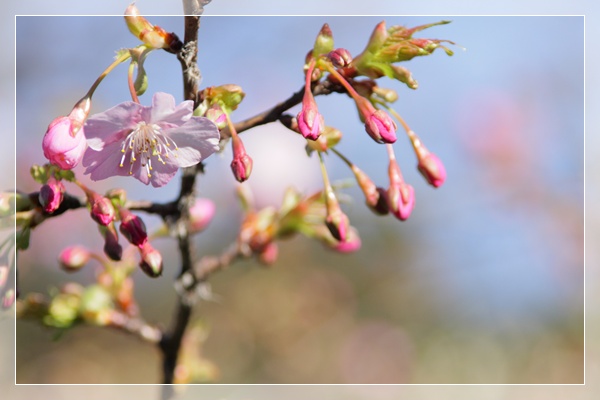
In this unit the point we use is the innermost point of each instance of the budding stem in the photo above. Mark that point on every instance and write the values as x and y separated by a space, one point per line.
342 157
343 81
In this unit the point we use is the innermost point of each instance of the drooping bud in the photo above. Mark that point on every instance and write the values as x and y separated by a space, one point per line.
51 195
102 210
429 165
73 258
401 200
378 124
373 197
60 147
133 228
310 121
432 168
336 221
351 244
241 165
324 42
152 36
201 213
152 261
340 58
112 248
400 195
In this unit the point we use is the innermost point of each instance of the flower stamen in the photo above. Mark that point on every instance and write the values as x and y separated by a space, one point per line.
146 141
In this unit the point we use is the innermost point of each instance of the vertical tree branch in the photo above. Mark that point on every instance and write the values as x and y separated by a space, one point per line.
171 340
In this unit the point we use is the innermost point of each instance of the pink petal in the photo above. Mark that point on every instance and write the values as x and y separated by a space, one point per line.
197 139
164 110
113 124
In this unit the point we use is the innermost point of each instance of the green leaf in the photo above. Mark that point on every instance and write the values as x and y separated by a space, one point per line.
39 173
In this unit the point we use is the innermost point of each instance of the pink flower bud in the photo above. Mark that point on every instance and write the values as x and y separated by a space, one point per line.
73 258
51 195
102 210
241 165
269 254
133 228
112 248
201 213
432 169
400 196
380 126
60 146
401 200
337 222
350 245
340 58
310 121
152 261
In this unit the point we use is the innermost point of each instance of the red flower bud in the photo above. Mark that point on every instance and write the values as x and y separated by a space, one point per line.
51 195
133 228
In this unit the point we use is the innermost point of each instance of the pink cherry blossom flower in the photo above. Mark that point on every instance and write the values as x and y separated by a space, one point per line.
60 147
148 143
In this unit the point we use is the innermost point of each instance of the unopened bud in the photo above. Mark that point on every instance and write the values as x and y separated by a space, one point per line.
380 126
340 58
432 168
401 200
74 258
269 253
201 213
152 261
429 165
51 195
310 122
324 42
112 248
350 245
102 210
62 148
241 165
133 228
152 36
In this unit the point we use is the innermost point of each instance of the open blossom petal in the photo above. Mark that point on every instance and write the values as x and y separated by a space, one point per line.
148 143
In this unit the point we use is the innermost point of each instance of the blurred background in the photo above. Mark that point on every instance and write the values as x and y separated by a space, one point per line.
483 284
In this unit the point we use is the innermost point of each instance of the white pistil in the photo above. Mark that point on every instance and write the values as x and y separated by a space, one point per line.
145 141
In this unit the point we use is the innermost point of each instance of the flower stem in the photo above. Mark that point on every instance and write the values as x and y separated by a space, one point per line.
132 90
342 157
124 56
351 91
